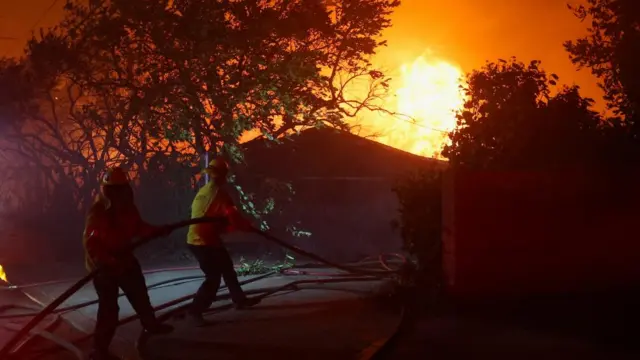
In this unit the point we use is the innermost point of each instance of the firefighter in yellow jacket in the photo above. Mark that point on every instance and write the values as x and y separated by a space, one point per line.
112 223
204 241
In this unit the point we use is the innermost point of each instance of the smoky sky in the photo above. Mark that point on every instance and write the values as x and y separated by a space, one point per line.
464 32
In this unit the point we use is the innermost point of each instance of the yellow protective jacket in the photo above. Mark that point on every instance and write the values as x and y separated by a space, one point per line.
214 201
107 233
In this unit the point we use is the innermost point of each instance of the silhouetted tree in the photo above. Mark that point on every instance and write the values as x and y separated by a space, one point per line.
147 84
201 73
511 120
421 225
51 148
610 51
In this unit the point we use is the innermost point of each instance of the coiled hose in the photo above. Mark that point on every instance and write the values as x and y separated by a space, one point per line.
9 347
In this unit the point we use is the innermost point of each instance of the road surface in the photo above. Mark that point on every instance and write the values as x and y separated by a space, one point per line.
341 320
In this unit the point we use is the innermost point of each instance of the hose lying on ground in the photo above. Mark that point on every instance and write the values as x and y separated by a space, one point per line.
59 341
259 292
45 332
93 302
172 282
156 308
380 259
319 259
13 341
10 345
64 281
294 270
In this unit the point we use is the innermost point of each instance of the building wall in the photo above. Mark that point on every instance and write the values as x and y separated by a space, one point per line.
348 218
519 233
343 189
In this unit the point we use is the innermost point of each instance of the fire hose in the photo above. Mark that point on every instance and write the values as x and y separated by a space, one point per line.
64 281
262 291
379 260
295 270
13 341
156 308
9 347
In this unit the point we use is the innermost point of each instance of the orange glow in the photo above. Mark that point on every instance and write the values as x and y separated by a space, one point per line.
427 94
3 275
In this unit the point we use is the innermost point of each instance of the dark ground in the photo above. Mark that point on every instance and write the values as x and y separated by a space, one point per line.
597 325
602 325
337 320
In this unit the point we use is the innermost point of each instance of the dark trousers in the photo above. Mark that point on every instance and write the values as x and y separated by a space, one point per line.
216 263
107 285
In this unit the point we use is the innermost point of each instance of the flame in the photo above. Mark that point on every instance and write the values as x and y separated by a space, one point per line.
428 94
3 275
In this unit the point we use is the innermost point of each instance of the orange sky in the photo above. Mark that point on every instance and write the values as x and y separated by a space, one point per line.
464 32
469 32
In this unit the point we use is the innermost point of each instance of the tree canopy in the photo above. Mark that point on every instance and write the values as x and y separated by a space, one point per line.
516 116
201 73
610 50
154 85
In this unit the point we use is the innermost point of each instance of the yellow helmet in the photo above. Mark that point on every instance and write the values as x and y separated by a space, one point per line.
115 176
217 166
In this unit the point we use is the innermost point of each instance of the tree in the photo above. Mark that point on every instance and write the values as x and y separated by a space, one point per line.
52 150
511 120
150 83
610 51
209 71
420 224
16 90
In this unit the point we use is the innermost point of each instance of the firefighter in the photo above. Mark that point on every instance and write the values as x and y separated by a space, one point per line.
204 241
112 223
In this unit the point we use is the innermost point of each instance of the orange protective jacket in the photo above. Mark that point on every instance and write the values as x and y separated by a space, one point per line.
213 200
107 233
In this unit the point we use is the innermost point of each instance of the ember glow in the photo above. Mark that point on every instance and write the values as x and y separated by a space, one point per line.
427 93
3 275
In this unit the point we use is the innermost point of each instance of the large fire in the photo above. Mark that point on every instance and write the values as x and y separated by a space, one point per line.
424 99
427 94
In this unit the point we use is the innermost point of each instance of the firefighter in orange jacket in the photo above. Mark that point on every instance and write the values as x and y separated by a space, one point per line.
112 223
204 241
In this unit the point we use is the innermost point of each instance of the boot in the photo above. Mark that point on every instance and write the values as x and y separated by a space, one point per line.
159 329
197 320
247 303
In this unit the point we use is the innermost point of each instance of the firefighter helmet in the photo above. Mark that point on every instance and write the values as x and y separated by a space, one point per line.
217 166
115 176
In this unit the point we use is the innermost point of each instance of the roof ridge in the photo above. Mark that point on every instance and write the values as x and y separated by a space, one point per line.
329 130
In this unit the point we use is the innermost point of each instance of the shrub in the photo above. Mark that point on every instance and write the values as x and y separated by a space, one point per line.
420 225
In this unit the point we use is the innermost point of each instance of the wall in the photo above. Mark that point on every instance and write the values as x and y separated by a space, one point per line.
349 218
343 189
520 233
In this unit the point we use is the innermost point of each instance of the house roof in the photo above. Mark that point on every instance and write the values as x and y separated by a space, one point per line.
330 153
